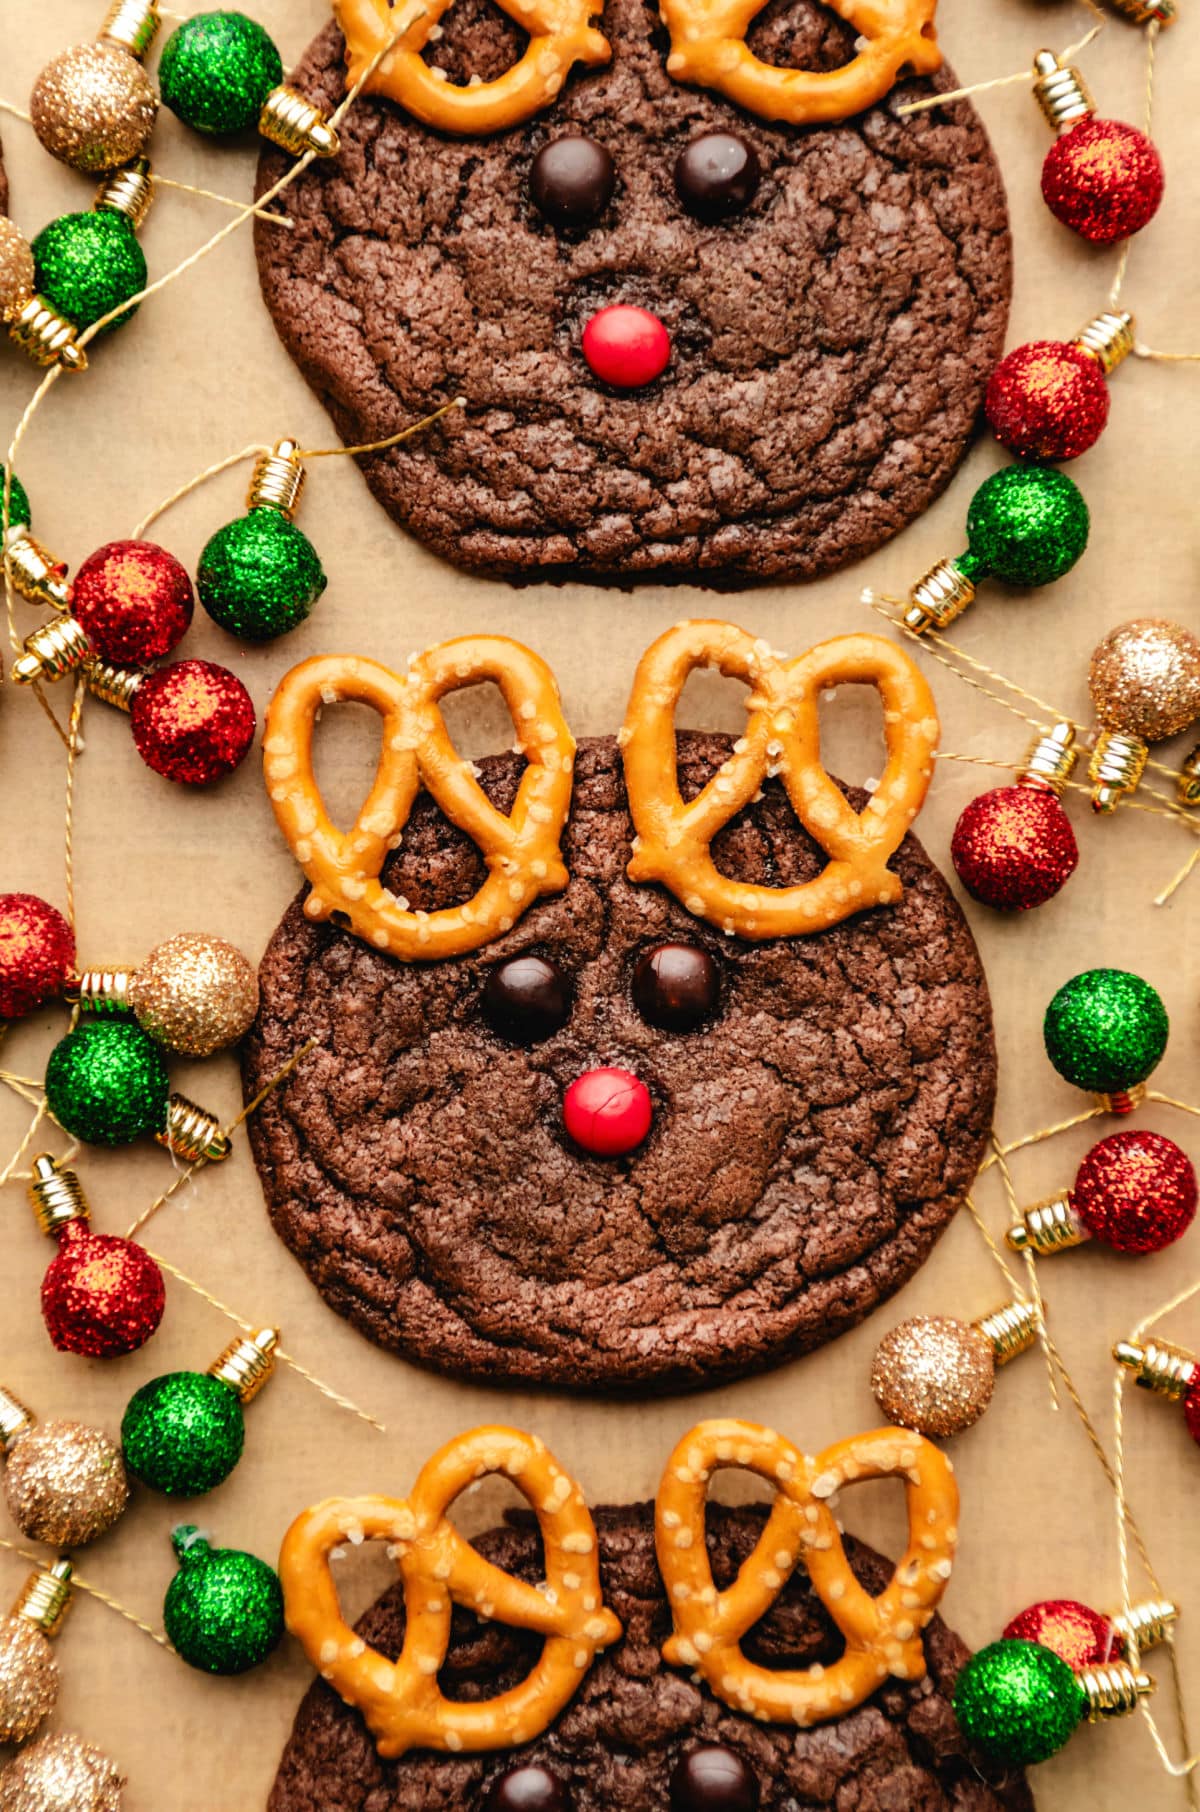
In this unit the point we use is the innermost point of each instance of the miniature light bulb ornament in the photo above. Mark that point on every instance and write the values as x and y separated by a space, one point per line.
1013 847
1105 1031
1169 1371
223 1611
88 264
1144 679
131 602
64 1483
936 1374
106 1084
93 106
42 333
1134 1192
1048 399
1027 525
37 954
260 576
102 1296
221 73
1101 178
192 721
28 1671
183 1433
1020 1703
1085 1638
61 1773
36 574
194 994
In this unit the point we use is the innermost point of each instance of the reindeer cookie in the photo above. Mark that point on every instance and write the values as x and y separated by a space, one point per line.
812 291
629 1071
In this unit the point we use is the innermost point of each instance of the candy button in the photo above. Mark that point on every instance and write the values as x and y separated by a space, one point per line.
528 1789
626 346
713 1779
607 1112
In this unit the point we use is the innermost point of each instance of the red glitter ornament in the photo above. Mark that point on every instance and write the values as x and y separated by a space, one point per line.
1013 848
134 600
37 954
1081 1636
101 1296
192 722
1135 1191
608 1112
1191 1408
1103 179
625 346
1047 400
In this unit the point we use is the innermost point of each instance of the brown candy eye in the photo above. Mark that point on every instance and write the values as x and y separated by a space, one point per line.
526 999
717 175
676 986
713 1779
572 180
528 1789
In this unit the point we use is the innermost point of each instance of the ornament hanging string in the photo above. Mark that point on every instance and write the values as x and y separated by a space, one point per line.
93 1591
1021 75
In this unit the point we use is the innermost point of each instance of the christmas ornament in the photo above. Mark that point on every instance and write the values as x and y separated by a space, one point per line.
106 1083
1187 787
89 264
607 1112
1085 1638
28 1670
39 330
1048 399
1013 848
35 572
1142 11
936 1374
1020 1703
224 1609
1144 680
1026 525
37 954
101 1296
183 1433
192 721
130 603
1105 1031
260 576
63 1481
94 106
193 994
625 346
1101 178
1169 1371
1135 1192
61 1774
221 73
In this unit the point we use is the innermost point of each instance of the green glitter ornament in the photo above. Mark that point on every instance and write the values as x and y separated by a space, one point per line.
1026 525
106 1083
19 514
223 1610
221 73
183 1433
1105 1031
89 264
260 576
1018 1702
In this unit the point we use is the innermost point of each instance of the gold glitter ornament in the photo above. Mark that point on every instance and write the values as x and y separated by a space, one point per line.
194 993
64 1482
39 330
61 1774
1144 680
94 107
16 269
936 1373
28 1670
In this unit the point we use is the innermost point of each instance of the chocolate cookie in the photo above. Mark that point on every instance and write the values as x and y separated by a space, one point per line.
813 1132
831 336
620 1740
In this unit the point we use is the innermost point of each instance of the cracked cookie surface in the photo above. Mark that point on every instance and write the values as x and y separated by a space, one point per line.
830 345
809 1142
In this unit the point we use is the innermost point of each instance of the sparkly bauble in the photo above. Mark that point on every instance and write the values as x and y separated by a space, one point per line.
1103 179
183 1433
94 107
1144 679
259 576
1027 525
195 994
934 1373
61 1774
18 502
217 70
106 1082
607 1112
102 1295
1018 1702
1191 1408
89 264
1105 1030
192 722
28 1678
134 600
224 1609
1136 1191
1013 848
37 954
1077 1634
1047 400
65 1484
17 273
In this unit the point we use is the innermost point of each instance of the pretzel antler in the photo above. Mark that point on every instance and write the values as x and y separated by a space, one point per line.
782 736
521 850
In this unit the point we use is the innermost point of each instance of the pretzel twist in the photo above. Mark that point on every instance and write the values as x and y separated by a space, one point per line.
708 47
560 34
882 1634
400 1700
521 851
783 736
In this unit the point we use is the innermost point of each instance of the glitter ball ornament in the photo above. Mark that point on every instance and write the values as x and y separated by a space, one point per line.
28 1671
39 330
1077 1635
1101 178
101 1296
61 1773
1136 1191
130 602
221 73
106 1083
224 1609
1048 399
193 722
94 106
64 1482
17 271
1144 679
936 1373
260 576
183 1433
1026 526
19 513
194 994
89 264
1105 1031
1020 1703
37 954
1013 848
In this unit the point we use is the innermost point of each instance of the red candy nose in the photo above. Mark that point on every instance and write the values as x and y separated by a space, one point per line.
626 346
607 1112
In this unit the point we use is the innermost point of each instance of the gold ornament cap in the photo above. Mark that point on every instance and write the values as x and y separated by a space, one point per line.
1011 1329
1158 1366
1049 1226
278 480
133 24
1114 1690
15 1421
37 574
247 1363
1115 769
115 686
296 126
1187 787
1147 1624
104 992
939 598
46 1597
1050 761
1060 92
193 1134
45 337
129 191
54 649
56 1194
1108 339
